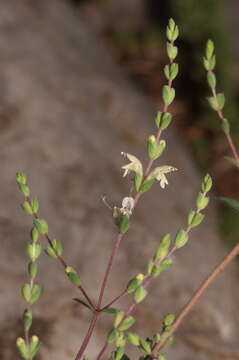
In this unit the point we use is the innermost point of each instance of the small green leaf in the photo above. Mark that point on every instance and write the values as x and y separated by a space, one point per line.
169 319
172 51
24 189
202 201
146 186
123 223
207 183
166 264
134 283
120 340
72 275
110 310
21 178
82 302
112 335
181 238
140 293
209 49
168 94
133 338
118 318
55 249
34 346
34 234
27 207
32 269
22 348
220 101
118 354
41 226
34 251
137 181
230 202
195 219
163 248
35 205
26 292
145 346
35 293
27 319
127 323
211 79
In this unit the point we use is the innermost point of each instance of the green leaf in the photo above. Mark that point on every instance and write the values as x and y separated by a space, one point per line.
146 186
133 338
55 249
211 79
232 161
41 226
137 181
163 120
24 189
123 223
168 94
134 283
169 319
112 335
230 202
82 302
118 354
34 251
195 219
127 323
72 275
35 205
34 346
27 319
26 292
207 183
172 51
22 348
34 234
35 294
21 178
110 310
163 248
118 318
202 201
140 293
32 269
145 346
209 49
27 207
220 101
181 238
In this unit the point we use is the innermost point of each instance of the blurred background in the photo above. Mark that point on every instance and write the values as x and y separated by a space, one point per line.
135 34
80 81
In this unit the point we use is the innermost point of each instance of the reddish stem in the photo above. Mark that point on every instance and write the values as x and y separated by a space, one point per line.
88 336
197 295
109 267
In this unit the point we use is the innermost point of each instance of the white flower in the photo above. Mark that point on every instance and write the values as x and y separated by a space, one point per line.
159 174
127 206
134 165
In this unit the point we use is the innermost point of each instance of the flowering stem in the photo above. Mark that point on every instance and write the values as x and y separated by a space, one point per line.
64 264
196 296
228 136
